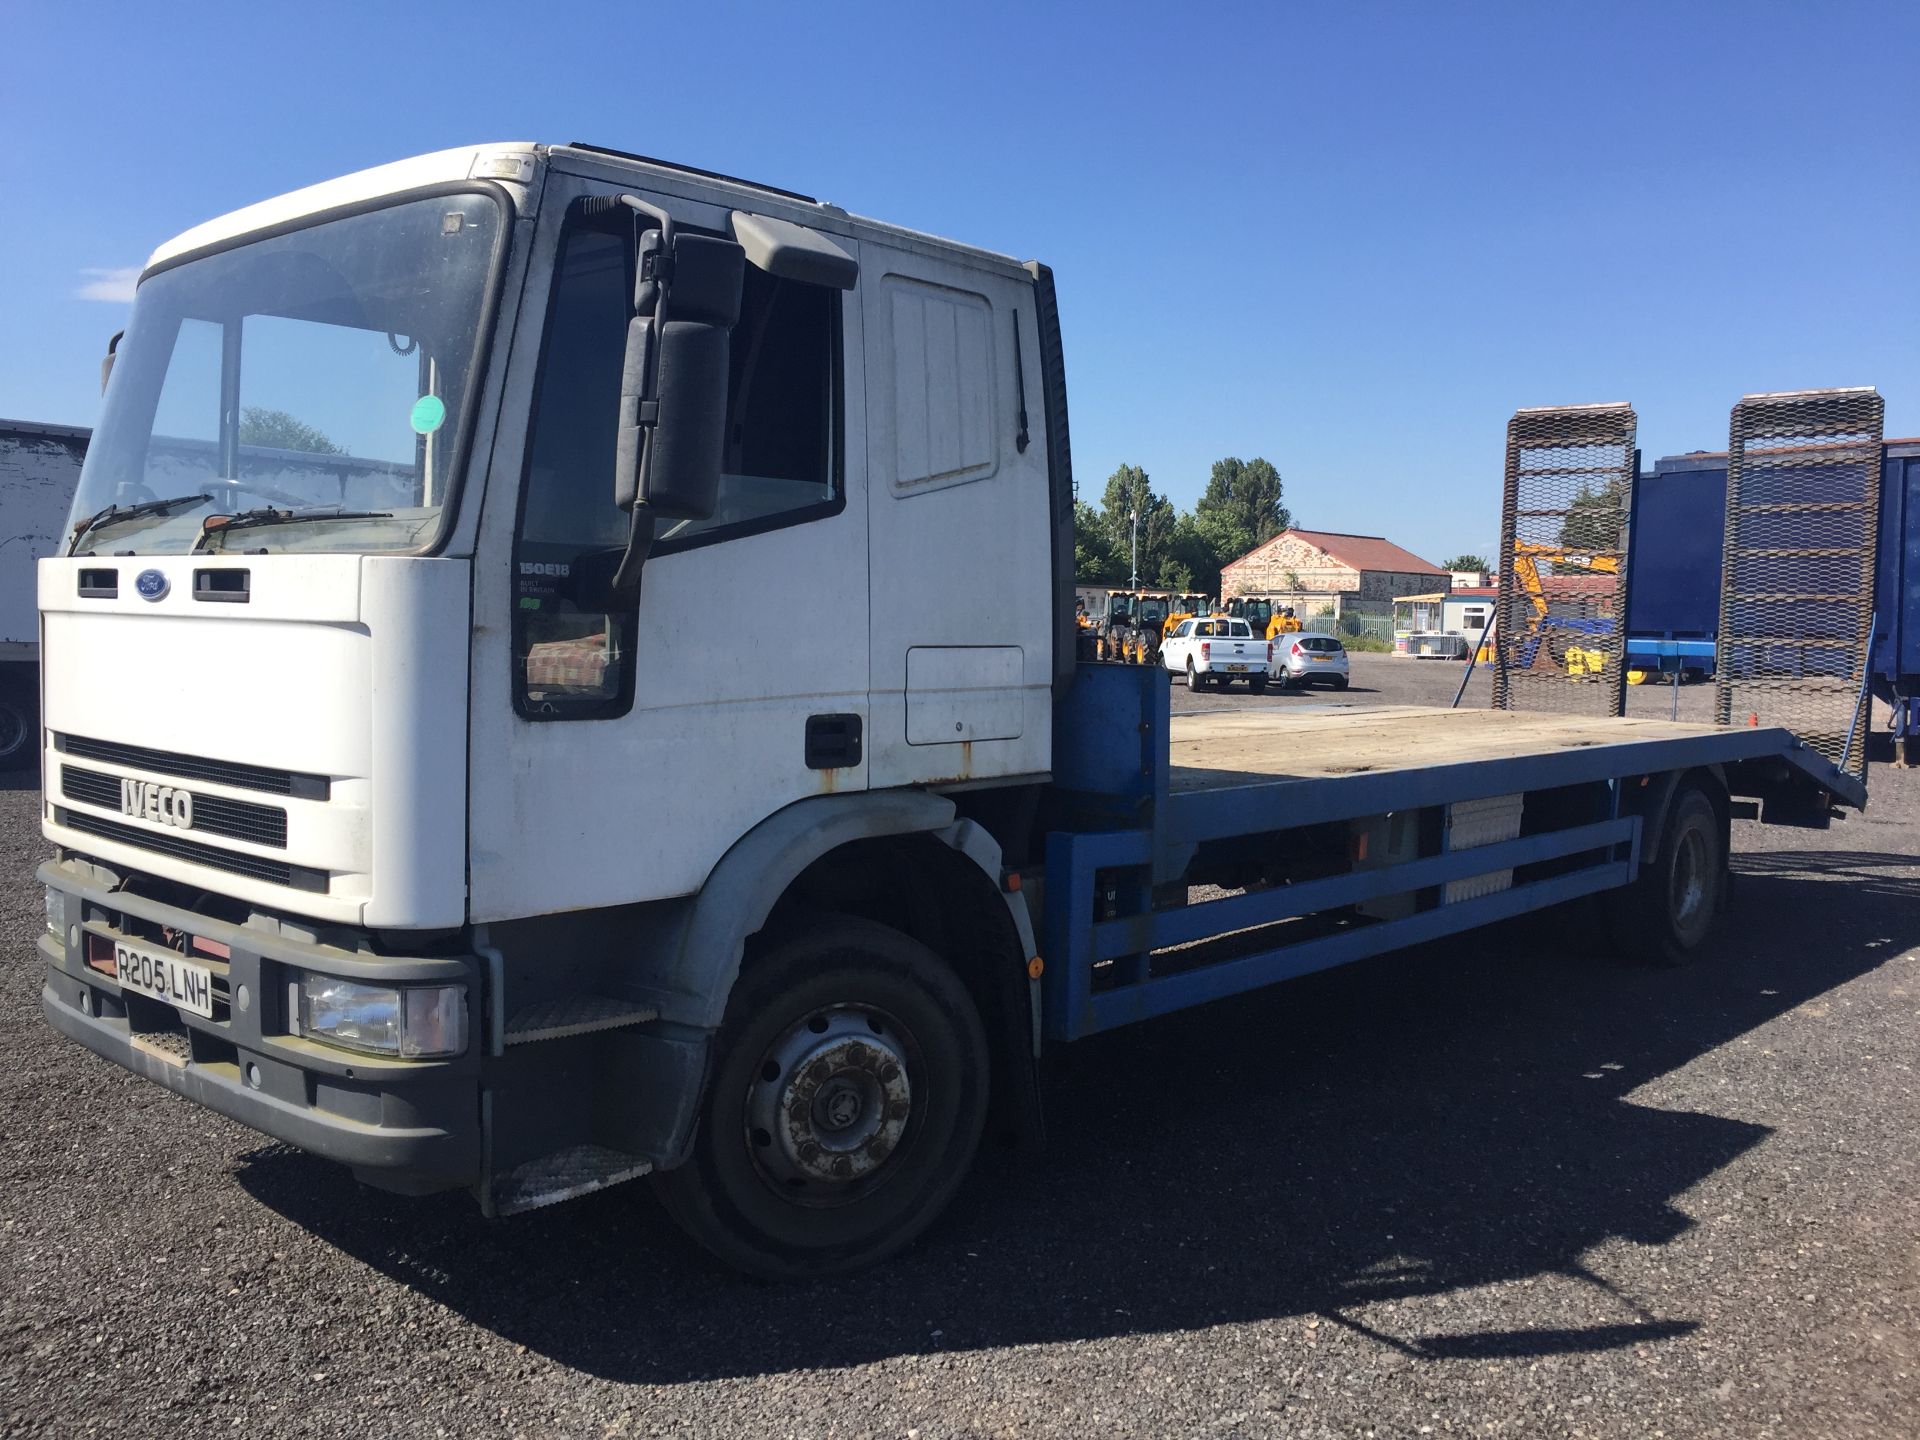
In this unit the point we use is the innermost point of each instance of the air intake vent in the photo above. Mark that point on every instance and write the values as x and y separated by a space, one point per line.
296 877
219 772
212 814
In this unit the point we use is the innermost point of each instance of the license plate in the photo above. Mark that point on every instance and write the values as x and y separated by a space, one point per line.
1320 659
1237 669
165 976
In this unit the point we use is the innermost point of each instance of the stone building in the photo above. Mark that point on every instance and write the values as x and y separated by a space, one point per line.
1325 572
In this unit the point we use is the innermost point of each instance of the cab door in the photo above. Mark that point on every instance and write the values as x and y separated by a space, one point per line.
617 757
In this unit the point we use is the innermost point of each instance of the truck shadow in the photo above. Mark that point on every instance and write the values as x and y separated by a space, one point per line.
1452 1117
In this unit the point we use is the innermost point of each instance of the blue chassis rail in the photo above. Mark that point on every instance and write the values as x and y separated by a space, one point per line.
1111 760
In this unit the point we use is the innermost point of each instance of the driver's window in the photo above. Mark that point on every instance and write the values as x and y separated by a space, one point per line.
569 661
782 462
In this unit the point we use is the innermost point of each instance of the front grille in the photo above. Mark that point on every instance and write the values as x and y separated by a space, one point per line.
297 877
194 767
212 814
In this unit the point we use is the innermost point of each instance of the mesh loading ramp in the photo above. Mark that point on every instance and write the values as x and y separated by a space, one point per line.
1560 640
1796 583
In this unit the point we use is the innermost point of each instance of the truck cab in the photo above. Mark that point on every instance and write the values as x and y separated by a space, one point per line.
380 713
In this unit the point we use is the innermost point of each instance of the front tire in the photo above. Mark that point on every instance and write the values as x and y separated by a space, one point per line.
848 1095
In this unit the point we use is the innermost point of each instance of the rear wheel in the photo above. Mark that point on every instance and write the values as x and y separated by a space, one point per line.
848 1096
19 721
1257 684
1668 912
1194 682
1339 682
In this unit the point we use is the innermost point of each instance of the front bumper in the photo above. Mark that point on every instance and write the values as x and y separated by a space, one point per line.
407 1125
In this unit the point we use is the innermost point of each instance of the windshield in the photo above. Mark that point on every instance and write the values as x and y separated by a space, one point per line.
325 370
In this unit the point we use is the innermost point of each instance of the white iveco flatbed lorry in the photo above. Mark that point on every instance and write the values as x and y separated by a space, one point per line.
405 809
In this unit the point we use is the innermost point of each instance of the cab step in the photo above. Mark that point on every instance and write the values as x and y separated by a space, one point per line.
575 1015
576 1170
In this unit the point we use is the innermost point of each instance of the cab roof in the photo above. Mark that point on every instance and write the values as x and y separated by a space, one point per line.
518 165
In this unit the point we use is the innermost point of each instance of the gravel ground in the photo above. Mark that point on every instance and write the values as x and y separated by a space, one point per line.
1496 1187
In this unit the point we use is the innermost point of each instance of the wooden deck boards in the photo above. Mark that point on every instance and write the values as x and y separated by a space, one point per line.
1235 747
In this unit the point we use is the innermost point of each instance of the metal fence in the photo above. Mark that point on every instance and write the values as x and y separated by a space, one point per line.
1368 629
1561 639
1796 584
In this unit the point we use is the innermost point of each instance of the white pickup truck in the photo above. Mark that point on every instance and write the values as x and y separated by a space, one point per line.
1217 648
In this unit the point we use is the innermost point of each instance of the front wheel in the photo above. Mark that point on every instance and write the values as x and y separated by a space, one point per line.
848 1095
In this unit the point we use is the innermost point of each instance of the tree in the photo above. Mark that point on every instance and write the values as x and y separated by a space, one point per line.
1596 520
1242 504
277 430
1094 560
1129 491
1466 562
1194 557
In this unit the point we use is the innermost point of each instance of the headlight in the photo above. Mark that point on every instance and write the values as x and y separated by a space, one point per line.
416 1022
56 913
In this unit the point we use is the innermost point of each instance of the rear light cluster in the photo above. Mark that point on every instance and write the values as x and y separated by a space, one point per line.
1269 652
1206 648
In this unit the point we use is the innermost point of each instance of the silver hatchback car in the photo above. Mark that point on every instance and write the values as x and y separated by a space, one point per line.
1306 659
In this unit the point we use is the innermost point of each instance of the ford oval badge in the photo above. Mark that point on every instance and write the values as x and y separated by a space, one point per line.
151 584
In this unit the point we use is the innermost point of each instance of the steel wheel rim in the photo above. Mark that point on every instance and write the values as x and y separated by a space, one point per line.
830 1105
1689 879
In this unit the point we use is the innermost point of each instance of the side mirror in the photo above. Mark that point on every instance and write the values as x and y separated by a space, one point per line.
106 361
673 387
673 390
679 474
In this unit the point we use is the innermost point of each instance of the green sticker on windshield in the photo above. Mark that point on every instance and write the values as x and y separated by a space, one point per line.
429 414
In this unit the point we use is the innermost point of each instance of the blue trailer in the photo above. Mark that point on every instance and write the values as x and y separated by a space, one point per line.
1673 604
1896 650
1196 857
1673 590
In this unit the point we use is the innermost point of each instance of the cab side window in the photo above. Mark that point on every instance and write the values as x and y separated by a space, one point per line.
782 463
570 662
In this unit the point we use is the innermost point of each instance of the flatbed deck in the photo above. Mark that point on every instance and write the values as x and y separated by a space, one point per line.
1240 772
1209 752
1143 794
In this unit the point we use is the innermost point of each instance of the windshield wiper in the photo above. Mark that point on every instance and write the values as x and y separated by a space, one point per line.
253 519
113 514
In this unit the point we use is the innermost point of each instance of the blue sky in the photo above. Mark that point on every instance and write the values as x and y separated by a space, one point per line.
1350 238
